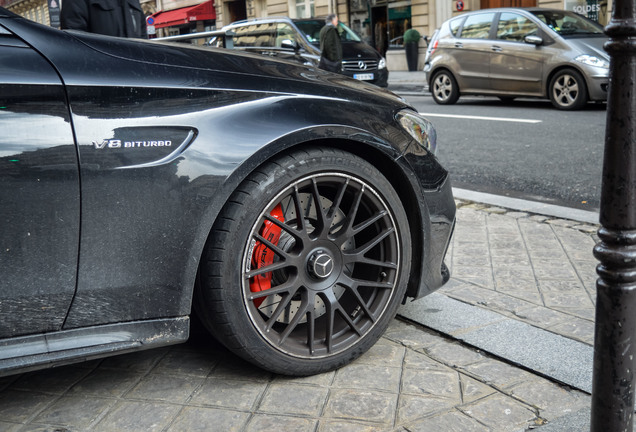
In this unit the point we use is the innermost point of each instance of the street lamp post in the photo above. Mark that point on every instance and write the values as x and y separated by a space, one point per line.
615 332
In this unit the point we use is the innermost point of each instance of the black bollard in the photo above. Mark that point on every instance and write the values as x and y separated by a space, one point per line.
615 331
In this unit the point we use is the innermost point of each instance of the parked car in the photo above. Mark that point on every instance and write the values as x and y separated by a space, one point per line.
292 208
298 40
512 52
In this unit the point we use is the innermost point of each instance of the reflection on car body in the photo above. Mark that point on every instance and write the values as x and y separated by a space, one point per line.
292 208
511 52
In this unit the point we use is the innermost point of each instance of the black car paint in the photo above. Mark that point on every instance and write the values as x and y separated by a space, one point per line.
101 242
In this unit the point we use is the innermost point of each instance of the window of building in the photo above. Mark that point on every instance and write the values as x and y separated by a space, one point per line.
304 8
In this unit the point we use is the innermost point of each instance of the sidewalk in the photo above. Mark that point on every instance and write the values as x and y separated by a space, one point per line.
484 353
404 81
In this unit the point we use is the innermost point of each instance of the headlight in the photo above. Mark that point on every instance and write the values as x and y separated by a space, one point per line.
419 128
592 61
382 63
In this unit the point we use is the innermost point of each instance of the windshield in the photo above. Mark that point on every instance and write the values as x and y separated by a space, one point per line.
568 23
311 29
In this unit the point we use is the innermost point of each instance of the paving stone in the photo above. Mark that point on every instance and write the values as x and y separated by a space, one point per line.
9 427
193 419
371 406
472 390
552 400
448 422
410 335
21 406
229 393
541 316
496 373
293 399
74 412
453 354
107 382
501 413
135 416
384 353
189 362
412 408
443 384
260 423
169 388
46 382
576 328
363 376
348 426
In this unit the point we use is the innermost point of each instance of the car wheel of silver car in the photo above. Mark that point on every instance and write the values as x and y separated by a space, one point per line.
307 263
568 90
444 88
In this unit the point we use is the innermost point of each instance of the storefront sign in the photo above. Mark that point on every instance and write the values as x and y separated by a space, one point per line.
587 8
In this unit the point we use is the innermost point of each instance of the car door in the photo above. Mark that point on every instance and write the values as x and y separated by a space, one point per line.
472 52
515 65
39 193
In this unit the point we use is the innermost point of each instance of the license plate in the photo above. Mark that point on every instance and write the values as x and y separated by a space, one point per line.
363 77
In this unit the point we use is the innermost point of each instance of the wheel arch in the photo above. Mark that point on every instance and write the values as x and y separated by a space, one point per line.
378 153
560 68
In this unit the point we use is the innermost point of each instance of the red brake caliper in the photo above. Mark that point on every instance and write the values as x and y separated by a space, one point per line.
264 256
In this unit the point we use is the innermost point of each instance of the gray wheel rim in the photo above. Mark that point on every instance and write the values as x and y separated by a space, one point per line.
565 90
335 269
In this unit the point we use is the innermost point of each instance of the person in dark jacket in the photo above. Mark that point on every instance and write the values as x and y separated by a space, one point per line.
330 45
123 18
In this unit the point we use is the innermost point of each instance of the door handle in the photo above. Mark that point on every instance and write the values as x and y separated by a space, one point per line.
459 45
496 48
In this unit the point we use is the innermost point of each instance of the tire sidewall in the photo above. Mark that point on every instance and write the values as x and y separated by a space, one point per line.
266 184
581 97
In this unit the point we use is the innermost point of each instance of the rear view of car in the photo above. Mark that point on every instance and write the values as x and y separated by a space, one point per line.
513 53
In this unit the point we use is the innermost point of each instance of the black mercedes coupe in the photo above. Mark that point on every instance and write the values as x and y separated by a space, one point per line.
291 210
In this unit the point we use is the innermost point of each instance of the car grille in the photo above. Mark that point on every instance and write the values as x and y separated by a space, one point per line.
359 65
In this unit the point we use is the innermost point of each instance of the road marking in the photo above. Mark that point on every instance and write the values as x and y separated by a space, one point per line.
503 119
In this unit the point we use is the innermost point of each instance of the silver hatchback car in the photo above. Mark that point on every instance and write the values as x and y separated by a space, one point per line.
513 52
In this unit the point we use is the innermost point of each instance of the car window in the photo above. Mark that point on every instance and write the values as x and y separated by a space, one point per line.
515 27
284 32
477 26
569 24
255 35
454 25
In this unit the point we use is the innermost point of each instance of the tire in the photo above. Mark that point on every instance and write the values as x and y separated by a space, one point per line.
444 88
568 90
325 286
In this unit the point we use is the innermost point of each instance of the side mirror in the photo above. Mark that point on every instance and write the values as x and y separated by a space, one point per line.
289 44
533 40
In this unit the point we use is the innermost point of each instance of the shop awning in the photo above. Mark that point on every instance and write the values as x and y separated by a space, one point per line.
201 12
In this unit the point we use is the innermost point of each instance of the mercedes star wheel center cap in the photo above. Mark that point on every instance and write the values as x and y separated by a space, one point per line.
321 265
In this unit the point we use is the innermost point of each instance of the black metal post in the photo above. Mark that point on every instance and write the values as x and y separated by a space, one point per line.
615 332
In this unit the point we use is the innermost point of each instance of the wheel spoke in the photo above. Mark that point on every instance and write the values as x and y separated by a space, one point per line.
363 225
353 288
287 287
321 220
363 249
300 313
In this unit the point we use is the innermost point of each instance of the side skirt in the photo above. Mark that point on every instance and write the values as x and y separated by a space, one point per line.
27 353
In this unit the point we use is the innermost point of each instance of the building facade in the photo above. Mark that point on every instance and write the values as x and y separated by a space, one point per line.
380 22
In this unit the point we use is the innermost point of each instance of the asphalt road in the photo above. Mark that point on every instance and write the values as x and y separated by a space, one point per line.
523 149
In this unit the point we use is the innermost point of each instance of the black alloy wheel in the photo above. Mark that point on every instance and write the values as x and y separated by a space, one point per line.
307 263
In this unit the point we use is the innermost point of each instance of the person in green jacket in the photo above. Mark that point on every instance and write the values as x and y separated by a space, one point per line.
330 45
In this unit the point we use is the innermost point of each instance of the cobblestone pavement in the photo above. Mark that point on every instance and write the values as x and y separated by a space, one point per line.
534 269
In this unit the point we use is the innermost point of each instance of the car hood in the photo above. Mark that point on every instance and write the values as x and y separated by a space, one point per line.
591 46
359 50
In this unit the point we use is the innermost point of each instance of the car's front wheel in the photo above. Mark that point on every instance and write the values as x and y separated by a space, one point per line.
307 263
444 88
568 90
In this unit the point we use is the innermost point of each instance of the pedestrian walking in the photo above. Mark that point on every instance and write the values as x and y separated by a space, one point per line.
123 18
330 45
